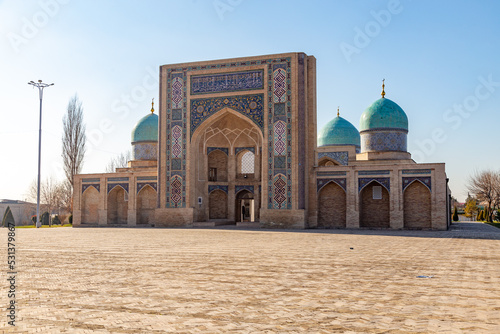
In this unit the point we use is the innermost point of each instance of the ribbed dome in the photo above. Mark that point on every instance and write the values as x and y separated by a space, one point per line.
383 114
146 129
338 132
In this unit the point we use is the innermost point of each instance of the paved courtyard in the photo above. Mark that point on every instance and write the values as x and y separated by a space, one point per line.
113 280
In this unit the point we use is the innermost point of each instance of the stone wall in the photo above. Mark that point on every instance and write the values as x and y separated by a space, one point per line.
374 212
332 207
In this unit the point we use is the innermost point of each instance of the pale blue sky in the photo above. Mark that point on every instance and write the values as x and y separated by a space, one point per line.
437 58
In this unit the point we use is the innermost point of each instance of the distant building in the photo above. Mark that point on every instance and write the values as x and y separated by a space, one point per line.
236 142
21 210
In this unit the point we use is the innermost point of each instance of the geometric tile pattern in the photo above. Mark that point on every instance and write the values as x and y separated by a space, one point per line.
247 163
112 185
383 141
177 88
213 187
93 180
374 172
252 106
340 157
239 149
176 191
384 181
279 193
279 138
222 149
237 189
426 181
416 171
331 173
320 183
143 184
97 186
176 141
279 85
227 82
145 151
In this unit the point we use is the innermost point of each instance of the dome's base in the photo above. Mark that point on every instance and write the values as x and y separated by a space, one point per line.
388 155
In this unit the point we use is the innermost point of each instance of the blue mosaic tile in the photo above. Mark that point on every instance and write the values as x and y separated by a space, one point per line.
112 185
374 172
145 151
93 180
383 141
384 181
146 178
417 171
341 157
117 179
213 187
320 183
426 181
97 187
252 106
227 82
331 173
237 189
143 184
239 149
222 149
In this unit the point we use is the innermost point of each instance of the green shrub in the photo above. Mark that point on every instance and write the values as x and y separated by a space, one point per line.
70 219
455 215
8 218
45 219
56 221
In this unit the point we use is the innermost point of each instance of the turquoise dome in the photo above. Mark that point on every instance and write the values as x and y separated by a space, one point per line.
338 132
383 114
146 129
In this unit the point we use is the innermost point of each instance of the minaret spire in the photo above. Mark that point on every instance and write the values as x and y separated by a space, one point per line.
338 111
383 87
153 105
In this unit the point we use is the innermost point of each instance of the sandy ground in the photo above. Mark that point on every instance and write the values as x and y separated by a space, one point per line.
113 280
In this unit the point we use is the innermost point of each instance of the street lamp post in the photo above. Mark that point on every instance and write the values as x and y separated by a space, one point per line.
40 85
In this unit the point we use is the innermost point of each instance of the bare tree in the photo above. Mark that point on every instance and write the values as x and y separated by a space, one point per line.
485 186
52 195
74 139
120 161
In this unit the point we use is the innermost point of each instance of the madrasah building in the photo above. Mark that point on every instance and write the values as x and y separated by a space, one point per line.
236 143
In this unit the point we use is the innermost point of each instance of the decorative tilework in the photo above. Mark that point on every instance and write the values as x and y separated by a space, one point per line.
320 183
341 157
222 149
97 186
145 151
176 192
383 141
374 172
426 181
237 189
239 149
177 92
117 179
213 187
279 138
146 178
280 162
112 185
227 82
279 91
176 141
252 106
143 184
331 173
176 164
417 171
93 180
279 109
384 181
279 191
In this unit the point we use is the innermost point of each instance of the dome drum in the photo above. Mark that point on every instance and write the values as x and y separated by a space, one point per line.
377 141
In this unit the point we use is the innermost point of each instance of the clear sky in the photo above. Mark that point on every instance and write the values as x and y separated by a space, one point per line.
440 60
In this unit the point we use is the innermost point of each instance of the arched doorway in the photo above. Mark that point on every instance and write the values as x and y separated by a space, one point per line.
118 206
217 205
332 206
146 204
374 206
417 206
217 166
245 207
90 206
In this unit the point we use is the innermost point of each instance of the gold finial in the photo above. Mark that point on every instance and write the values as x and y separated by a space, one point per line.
338 111
383 86
153 105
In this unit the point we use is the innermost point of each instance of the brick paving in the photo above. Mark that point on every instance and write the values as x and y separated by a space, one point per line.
228 280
